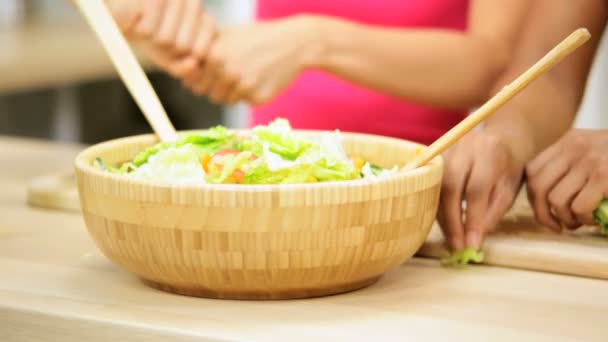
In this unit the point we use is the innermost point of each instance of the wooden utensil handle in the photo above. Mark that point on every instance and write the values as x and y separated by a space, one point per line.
101 21
563 49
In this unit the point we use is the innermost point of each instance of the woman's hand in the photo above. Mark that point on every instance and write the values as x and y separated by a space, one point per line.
167 30
569 179
484 170
254 62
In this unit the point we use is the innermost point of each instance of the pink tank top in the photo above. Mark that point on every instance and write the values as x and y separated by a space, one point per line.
317 100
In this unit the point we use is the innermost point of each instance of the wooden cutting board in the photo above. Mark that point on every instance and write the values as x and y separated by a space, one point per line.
55 191
520 242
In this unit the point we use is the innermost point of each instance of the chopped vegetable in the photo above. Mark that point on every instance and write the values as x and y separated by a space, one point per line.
178 165
125 168
601 216
375 169
207 142
463 257
358 162
100 164
230 165
272 154
205 162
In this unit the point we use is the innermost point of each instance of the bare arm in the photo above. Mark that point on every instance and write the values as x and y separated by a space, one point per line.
436 67
546 109
486 167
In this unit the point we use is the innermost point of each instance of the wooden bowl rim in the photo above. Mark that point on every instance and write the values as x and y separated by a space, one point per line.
84 158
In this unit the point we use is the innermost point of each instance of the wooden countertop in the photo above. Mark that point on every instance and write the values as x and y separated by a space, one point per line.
56 286
47 54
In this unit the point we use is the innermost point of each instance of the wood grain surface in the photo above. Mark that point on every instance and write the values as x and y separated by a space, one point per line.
56 286
521 242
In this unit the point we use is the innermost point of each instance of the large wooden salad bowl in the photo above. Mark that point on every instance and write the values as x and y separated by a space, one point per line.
260 241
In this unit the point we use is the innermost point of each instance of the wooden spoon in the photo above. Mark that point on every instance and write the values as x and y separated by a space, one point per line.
563 49
132 74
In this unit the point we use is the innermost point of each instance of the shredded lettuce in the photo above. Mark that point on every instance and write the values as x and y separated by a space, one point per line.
208 141
463 257
230 164
272 154
601 216
177 165
261 174
279 139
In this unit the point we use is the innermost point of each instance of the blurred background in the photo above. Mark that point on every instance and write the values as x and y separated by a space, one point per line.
57 83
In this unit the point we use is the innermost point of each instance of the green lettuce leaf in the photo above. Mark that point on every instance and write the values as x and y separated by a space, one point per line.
143 156
261 174
206 142
463 257
279 138
601 216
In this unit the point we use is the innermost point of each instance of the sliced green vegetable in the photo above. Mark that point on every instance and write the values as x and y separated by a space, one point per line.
376 170
463 257
601 216
98 163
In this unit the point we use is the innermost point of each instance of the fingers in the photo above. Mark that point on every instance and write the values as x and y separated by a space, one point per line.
162 60
586 202
502 198
570 179
180 26
592 193
563 194
550 154
457 170
206 79
126 13
540 181
477 195
220 90
183 67
188 29
170 23
241 91
151 18
236 94
204 37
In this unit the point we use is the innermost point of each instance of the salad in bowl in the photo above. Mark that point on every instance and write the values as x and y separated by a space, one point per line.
272 154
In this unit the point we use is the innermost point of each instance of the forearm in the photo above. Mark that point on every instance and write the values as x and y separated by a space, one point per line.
535 118
436 67
547 107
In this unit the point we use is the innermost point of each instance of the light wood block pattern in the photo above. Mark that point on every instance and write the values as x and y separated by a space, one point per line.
57 286
260 241
521 242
